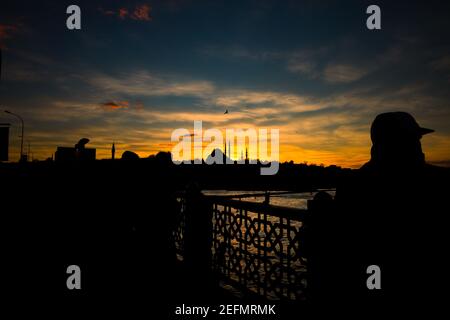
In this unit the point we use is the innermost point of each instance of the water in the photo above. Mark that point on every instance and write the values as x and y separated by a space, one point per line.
297 200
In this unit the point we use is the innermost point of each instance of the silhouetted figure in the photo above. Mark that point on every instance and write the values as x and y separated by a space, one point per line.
323 197
396 143
388 215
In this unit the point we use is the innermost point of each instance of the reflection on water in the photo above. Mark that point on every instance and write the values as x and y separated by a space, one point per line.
297 200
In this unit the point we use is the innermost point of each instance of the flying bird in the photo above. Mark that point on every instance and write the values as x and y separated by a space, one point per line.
226 112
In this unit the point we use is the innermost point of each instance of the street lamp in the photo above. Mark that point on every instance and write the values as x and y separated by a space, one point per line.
21 141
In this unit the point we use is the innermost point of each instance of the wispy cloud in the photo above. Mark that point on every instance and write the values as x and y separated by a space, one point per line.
238 52
343 73
304 67
316 64
140 12
111 105
306 61
442 64
143 83
123 13
312 63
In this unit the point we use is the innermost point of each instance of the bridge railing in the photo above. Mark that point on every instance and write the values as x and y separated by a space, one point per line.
256 247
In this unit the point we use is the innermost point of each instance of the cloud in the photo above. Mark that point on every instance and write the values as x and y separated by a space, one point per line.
142 13
238 52
122 105
22 73
107 12
305 67
342 73
442 64
123 13
139 13
321 63
305 61
111 105
310 62
143 83
139 105
263 102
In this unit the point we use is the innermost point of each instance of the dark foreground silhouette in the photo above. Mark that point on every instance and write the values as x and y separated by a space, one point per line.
390 213
115 219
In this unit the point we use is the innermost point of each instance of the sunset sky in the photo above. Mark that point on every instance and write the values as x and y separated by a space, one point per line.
137 70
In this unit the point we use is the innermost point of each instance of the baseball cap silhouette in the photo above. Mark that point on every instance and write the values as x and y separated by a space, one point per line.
396 125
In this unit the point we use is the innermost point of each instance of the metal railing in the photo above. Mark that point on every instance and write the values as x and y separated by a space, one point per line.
256 247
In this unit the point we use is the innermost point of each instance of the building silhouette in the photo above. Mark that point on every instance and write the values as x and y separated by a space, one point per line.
77 153
4 141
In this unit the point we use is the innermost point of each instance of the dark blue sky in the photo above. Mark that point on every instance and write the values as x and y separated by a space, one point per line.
139 69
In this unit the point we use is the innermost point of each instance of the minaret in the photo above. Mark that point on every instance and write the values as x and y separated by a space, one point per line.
225 153
113 151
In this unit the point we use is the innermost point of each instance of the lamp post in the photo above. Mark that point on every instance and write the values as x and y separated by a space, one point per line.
21 140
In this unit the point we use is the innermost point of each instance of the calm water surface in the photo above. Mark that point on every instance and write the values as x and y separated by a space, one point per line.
297 200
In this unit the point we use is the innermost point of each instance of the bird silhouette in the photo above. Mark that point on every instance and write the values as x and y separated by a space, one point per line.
226 111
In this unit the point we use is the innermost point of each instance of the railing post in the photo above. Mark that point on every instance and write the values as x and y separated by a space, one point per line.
318 229
198 234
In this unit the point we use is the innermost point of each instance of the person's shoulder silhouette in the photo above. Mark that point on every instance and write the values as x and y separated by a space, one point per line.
392 208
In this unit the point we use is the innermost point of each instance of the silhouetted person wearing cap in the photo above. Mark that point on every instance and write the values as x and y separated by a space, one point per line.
390 213
396 144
